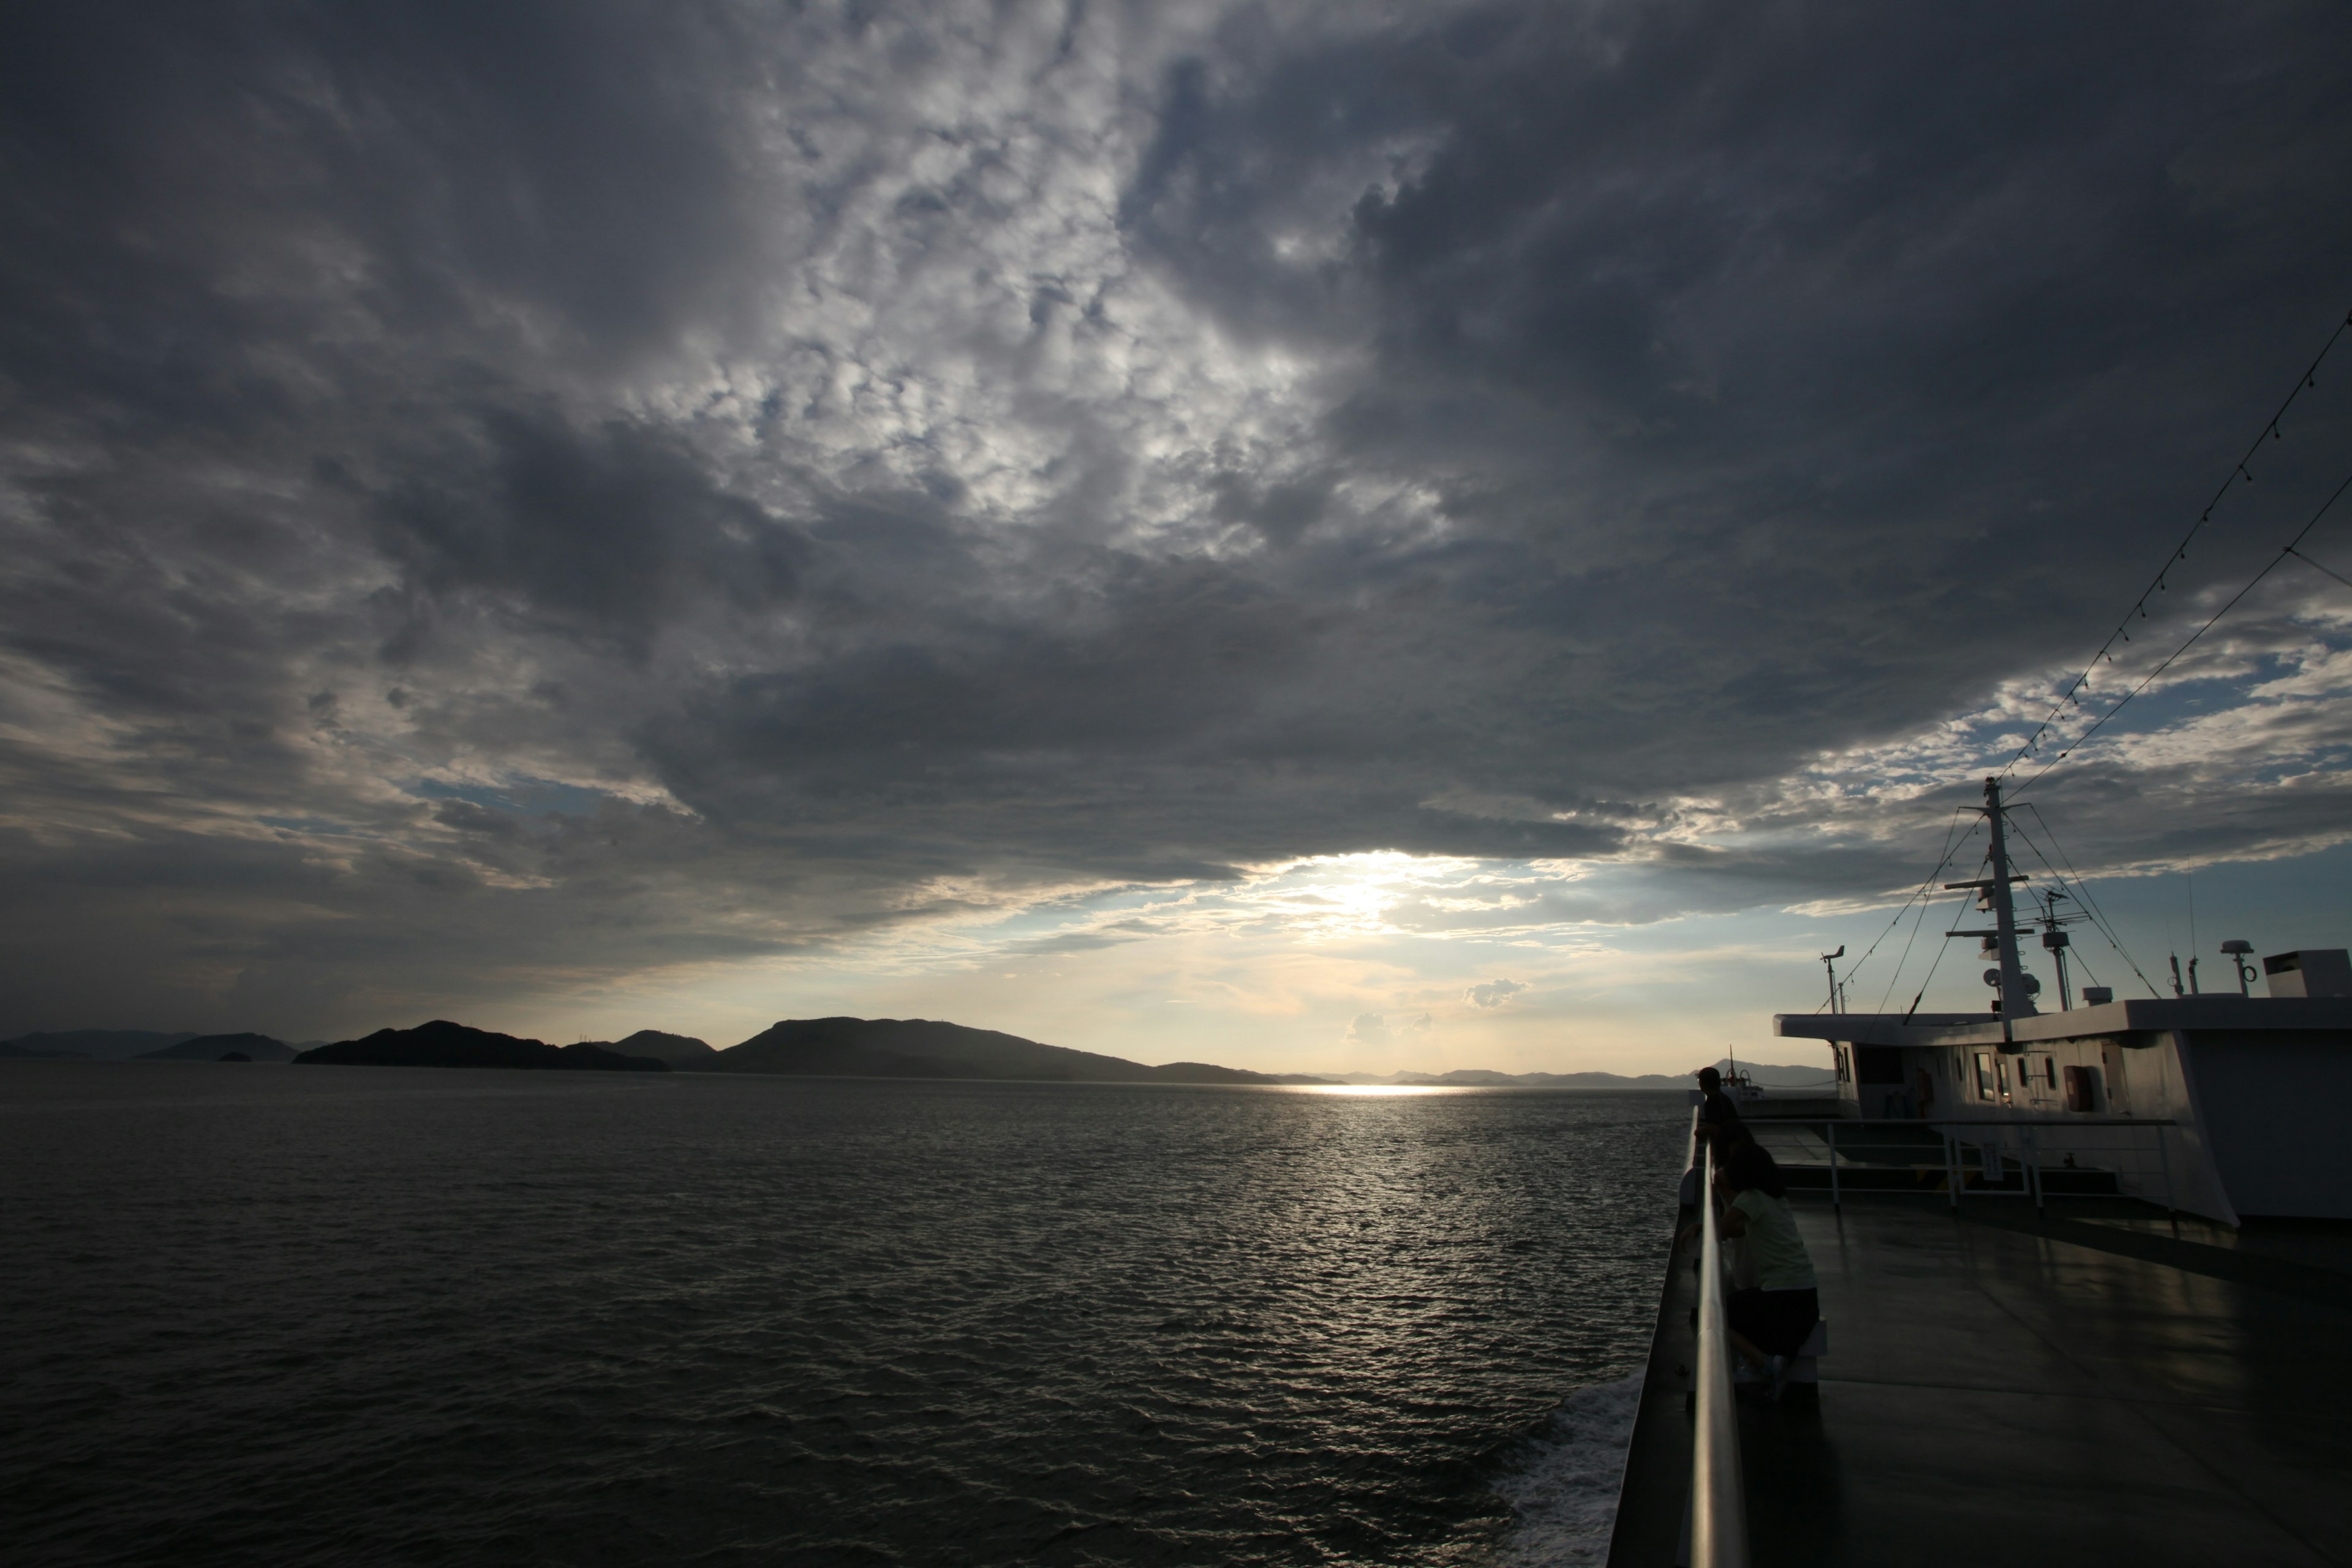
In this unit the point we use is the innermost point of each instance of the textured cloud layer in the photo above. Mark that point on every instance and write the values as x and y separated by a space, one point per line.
502 499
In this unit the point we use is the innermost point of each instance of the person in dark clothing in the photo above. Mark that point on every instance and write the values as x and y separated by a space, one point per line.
1717 1126
1715 1106
1727 1136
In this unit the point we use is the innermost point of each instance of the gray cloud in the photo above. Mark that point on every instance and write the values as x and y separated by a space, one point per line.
1374 1028
1492 993
869 469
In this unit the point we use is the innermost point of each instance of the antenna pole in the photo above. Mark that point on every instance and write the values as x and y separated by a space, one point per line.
2054 938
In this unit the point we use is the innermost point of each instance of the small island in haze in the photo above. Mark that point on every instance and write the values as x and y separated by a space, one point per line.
245 1048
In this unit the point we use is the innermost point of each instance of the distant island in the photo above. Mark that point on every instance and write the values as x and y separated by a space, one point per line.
223 1047
442 1044
683 1052
807 1048
921 1047
102 1044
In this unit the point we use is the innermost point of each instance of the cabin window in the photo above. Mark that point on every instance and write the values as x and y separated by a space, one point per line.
1878 1064
2050 1072
1984 1076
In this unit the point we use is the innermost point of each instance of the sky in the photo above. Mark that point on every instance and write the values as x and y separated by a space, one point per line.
1301 536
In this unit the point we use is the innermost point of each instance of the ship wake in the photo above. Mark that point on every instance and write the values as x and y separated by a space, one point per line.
1563 1489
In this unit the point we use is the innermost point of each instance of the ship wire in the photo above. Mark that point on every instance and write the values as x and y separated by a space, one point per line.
2331 571
2287 550
2082 895
1937 962
1950 846
2309 378
1951 842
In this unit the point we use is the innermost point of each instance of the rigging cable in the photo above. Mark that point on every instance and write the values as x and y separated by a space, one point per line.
1950 847
2307 561
1904 957
2289 549
1951 837
1938 961
2309 378
2099 919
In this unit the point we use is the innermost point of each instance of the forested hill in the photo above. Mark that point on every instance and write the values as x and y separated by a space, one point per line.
922 1048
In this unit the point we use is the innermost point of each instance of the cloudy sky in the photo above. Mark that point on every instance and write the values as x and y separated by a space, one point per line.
1302 536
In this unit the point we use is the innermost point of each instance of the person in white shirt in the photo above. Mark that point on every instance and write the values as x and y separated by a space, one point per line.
1772 1320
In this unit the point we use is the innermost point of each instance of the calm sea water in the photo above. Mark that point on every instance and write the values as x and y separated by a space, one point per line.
291 1315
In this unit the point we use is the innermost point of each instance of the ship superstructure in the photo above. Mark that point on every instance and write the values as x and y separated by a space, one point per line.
2244 1080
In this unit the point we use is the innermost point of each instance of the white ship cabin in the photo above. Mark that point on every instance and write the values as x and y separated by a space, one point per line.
2249 1083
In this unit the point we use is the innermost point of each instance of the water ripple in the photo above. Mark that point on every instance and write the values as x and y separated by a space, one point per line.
313 1315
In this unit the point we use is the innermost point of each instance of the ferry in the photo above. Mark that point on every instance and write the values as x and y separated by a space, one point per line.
2085 1280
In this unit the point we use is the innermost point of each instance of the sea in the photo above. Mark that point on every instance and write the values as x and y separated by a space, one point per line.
258 1313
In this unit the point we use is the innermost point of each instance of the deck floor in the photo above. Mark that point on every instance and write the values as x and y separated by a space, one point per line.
2091 1389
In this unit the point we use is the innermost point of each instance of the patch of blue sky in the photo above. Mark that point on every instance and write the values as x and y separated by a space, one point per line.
2161 707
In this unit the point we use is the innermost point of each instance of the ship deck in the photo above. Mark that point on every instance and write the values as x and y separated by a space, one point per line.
2100 1387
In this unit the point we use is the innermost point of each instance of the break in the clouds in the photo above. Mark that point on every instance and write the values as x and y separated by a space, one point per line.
501 500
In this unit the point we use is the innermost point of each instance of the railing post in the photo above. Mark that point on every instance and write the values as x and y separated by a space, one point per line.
1952 1167
1830 1128
1718 1493
2033 1167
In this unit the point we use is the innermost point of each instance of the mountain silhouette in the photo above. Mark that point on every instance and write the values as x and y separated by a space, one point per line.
683 1052
923 1047
104 1044
442 1044
213 1047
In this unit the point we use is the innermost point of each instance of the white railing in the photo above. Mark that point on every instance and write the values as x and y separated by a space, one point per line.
1718 1494
2133 1154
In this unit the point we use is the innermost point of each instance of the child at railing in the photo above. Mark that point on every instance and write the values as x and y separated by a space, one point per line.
1769 1322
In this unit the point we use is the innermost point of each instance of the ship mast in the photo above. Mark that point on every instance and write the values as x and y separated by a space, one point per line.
2015 1002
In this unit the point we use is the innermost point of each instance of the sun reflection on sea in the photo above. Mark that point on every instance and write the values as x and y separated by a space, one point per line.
1385 1090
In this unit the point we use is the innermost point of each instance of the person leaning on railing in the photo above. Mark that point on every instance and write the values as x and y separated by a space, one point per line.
1715 1106
1768 1324
1725 1135
1770 1321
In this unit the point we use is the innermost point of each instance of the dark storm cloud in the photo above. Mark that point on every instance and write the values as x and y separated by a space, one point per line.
1745 342
607 534
872 466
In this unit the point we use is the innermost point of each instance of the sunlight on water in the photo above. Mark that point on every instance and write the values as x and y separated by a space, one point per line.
1381 1091
325 1315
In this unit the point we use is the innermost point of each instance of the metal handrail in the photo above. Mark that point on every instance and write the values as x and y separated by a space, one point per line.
1718 1494
2077 1120
1954 1131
